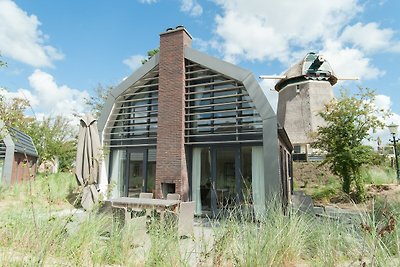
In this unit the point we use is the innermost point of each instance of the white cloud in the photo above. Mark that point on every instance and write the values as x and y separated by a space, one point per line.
268 30
349 62
52 99
265 30
192 7
384 102
369 37
21 93
21 39
134 62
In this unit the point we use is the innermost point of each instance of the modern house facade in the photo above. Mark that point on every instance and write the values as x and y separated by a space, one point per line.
303 93
18 157
189 123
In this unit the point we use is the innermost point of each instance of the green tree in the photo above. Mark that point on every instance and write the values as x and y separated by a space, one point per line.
150 54
53 137
96 101
12 111
349 119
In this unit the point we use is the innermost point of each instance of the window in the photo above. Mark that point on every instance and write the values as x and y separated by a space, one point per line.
218 108
133 121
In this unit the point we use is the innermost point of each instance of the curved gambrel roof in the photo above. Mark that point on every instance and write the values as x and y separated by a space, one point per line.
122 87
256 93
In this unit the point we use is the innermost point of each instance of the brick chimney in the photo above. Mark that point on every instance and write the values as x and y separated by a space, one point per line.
171 170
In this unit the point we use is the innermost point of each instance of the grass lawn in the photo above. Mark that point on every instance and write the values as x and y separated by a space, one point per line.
32 235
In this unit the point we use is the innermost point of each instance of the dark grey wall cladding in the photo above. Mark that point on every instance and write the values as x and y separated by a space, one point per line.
23 143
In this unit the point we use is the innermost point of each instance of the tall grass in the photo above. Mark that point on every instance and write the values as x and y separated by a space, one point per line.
237 239
51 189
379 175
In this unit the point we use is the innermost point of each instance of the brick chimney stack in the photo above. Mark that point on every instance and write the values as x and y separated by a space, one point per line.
171 170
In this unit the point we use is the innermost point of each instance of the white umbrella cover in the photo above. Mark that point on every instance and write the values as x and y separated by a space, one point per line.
87 160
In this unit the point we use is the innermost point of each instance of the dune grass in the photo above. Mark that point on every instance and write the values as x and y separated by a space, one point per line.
237 239
379 175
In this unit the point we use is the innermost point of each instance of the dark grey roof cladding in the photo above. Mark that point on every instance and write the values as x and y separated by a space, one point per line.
23 143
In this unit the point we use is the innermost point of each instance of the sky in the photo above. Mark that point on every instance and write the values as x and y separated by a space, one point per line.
58 52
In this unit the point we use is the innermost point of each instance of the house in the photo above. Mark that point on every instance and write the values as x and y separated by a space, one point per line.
18 157
189 123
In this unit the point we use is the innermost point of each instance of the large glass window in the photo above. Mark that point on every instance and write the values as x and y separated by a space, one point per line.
135 173
118 165
224 177
245 174
218 108
151 171
133 121
201 179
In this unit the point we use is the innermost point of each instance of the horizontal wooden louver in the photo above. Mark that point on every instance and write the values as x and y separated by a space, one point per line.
218 109
133 121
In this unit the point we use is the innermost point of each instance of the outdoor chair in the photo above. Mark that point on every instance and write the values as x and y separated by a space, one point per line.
146 195
147 212
120 215
138 225
173 197
186 218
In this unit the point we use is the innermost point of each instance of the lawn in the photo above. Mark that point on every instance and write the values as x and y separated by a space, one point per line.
33 233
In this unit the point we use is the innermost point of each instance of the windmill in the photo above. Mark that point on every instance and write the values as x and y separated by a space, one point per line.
304 90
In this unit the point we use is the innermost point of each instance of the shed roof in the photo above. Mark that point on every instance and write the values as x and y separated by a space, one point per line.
23 143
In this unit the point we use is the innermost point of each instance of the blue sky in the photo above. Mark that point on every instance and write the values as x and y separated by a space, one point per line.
58 51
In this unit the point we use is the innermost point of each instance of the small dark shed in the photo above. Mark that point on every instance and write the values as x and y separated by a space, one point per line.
18 157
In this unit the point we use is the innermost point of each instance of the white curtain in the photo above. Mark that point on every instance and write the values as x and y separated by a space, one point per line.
196 177
258 186
117 172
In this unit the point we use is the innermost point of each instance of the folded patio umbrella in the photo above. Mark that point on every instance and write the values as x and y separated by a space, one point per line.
87 160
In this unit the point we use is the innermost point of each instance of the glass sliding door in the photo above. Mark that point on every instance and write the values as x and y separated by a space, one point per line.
133 171
117 174
225 177
135 176
150 184
246 175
